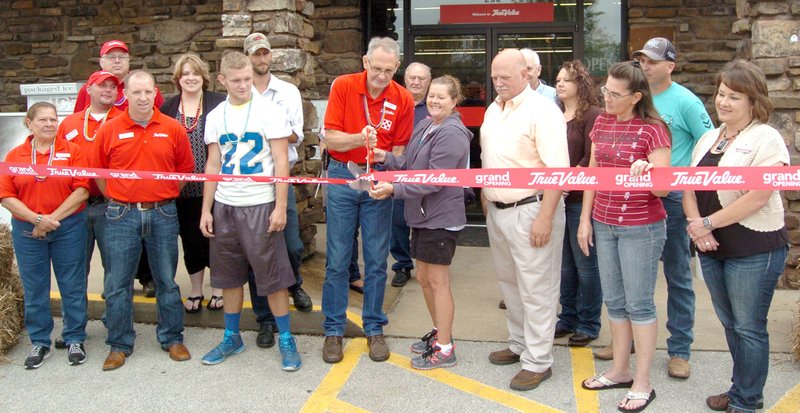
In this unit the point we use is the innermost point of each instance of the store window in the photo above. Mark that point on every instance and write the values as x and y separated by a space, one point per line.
602 33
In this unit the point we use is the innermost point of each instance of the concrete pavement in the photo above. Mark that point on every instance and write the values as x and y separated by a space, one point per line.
150 381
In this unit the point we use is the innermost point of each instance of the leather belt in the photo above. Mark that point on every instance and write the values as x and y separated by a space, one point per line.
143 206
95 199
360 165
523 201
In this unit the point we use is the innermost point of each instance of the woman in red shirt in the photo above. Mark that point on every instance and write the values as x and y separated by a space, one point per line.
629 226
48 226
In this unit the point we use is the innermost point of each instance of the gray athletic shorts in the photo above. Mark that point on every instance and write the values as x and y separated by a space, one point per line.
241 241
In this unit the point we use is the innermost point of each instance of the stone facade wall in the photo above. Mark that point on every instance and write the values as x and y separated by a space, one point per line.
707 34
339 36
51 41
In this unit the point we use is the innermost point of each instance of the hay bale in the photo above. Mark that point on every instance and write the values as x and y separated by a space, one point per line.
11 297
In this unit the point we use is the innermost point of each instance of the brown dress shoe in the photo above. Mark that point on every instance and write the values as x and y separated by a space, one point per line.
179 352
720 402
378 348
503 357
115 360
528 380
332 349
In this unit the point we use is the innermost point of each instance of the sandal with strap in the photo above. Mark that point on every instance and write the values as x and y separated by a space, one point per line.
632 395
196 304
606 383
215 303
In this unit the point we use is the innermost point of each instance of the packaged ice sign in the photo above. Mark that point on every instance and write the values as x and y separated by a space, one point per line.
62 95
496 13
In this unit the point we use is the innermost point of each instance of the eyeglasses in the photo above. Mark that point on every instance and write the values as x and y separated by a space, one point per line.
614 95
116 57
385 72
417 78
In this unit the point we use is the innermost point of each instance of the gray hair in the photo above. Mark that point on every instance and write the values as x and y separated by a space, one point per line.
419 65
529 53
386 43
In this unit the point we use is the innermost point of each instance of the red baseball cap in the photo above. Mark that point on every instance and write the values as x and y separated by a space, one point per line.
100 77
113 44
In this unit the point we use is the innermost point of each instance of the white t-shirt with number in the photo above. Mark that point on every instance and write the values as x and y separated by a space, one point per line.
244 145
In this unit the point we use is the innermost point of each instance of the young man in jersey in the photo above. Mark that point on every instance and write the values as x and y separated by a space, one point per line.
247 135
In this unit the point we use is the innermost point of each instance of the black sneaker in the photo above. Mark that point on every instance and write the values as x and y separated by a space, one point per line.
76 354
266 335
37 357
301 300
401 277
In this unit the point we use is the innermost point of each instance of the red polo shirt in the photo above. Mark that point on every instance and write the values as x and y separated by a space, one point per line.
44 197
82 101
345 113
162 145
71 129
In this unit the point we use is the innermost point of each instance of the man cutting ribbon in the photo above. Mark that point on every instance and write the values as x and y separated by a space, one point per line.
365 110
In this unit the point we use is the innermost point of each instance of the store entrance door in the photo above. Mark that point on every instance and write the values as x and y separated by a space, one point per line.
466 53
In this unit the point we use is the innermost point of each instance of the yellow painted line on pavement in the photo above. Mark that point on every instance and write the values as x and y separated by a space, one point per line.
583 368
324 397
475 387
789 403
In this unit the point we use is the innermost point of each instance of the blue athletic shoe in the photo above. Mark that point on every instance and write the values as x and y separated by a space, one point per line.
290 358
231 344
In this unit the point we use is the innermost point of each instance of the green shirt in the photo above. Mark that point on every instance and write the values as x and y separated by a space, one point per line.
686 118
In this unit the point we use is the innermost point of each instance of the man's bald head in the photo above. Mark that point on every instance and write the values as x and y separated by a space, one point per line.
509 74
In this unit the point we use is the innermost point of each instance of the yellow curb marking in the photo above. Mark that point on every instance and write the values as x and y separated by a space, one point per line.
324 397
475 387
788 403
583 368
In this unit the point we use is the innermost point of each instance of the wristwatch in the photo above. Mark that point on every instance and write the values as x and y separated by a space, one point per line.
707 223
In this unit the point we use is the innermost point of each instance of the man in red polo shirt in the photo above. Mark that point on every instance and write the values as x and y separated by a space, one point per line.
142 212
366 108
114 58
81 128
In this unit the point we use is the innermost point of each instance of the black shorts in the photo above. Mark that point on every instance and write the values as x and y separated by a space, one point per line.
241 242
434 246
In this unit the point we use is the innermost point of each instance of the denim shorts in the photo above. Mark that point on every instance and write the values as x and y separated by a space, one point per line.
628 260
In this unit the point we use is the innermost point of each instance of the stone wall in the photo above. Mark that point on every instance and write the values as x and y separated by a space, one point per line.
339 35
50 41
709 33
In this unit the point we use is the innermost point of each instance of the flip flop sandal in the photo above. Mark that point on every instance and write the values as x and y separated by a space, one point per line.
607 384
648 397
214 304
197 304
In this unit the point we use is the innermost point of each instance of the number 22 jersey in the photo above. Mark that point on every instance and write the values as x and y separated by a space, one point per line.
243 133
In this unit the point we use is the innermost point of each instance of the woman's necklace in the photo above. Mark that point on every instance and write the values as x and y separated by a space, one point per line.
41 178
86 125
225 120
185 118
723 143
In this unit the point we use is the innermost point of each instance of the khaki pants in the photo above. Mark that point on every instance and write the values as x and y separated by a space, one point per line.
529 280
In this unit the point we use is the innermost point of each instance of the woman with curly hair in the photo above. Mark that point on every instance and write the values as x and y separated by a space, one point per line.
581 295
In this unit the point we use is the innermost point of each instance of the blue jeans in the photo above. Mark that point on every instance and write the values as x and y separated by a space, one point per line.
291 234
628 260
400 246
741 290
680 293
346 209
65 248
355 272
127 229
581 295
96 224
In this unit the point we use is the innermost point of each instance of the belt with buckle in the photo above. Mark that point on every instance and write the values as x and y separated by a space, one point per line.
95 199
360 165
523 201
142 206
